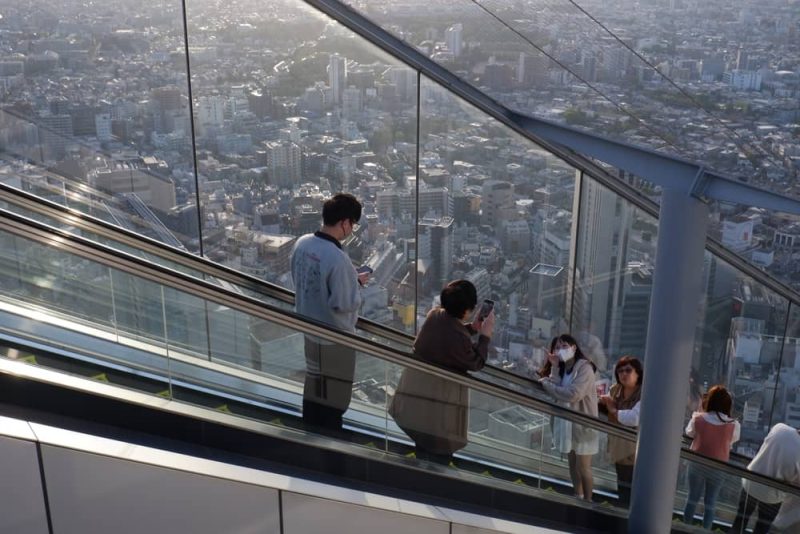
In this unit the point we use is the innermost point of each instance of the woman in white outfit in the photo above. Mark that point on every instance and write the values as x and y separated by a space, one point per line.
570 381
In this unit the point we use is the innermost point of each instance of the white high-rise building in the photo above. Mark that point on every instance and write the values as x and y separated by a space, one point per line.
453 38
102 123
352 102
284 160
337 77
210 113
743 80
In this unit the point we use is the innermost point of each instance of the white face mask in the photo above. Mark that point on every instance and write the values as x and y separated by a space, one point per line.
566 354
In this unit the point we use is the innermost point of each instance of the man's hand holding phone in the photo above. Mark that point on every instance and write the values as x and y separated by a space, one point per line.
363 274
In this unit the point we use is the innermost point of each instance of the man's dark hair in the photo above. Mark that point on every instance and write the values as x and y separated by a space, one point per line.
458 297
341 207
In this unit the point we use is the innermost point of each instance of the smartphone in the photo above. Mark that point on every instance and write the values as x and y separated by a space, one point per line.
486 309
364 269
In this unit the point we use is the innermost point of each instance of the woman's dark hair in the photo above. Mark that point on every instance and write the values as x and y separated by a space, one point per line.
341 207
718 400
633 362
579 355
458 297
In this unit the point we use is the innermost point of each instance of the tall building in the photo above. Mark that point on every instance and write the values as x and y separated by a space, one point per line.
54 132
102 124
743 80
210 114
637 289
436 244
532 70
497 200
405 80
166 98
600 259
284 163
454 39
337 77
352 102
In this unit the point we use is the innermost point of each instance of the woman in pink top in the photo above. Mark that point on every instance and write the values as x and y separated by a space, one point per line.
714 431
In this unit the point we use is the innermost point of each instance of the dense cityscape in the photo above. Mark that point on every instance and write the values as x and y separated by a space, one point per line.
289 107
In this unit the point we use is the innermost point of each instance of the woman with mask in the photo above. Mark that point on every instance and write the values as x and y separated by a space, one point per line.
570 381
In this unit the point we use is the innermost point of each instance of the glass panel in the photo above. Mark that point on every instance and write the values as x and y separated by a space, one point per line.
609 68
100 322
786 400
39 277
738 345
764 238
614 262
316 112
138 307
188 322
95 113
501 440
706 497
496 210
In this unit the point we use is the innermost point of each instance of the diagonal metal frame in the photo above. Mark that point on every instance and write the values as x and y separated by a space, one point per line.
572 144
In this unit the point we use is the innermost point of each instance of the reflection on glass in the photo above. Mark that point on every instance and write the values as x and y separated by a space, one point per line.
642 72
738 345
726 489
95 115
614 260
496 210
786 400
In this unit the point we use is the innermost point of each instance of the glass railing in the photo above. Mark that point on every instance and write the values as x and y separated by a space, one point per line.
750 357
118 320
114 319
711 497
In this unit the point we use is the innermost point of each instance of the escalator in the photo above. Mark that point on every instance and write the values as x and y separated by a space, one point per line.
123 337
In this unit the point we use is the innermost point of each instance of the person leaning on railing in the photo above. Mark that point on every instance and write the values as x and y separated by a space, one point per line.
779 458
432 410
622 405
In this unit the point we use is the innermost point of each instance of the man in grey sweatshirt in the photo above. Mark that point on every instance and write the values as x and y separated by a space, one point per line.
327 289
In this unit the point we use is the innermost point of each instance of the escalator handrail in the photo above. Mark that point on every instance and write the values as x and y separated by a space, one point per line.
207 267
70 243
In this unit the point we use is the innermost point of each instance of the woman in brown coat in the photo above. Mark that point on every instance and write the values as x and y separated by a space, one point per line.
433 411
622 405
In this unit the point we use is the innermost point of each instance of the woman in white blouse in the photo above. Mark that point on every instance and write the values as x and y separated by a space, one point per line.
622 405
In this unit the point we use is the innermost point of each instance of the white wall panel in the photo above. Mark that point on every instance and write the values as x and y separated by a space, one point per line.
22 509
90 493
310 515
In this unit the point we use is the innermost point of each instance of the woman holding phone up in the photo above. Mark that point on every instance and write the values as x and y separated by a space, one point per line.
570 381
432 410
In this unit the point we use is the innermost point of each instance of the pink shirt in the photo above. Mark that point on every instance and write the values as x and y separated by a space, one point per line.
713 440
